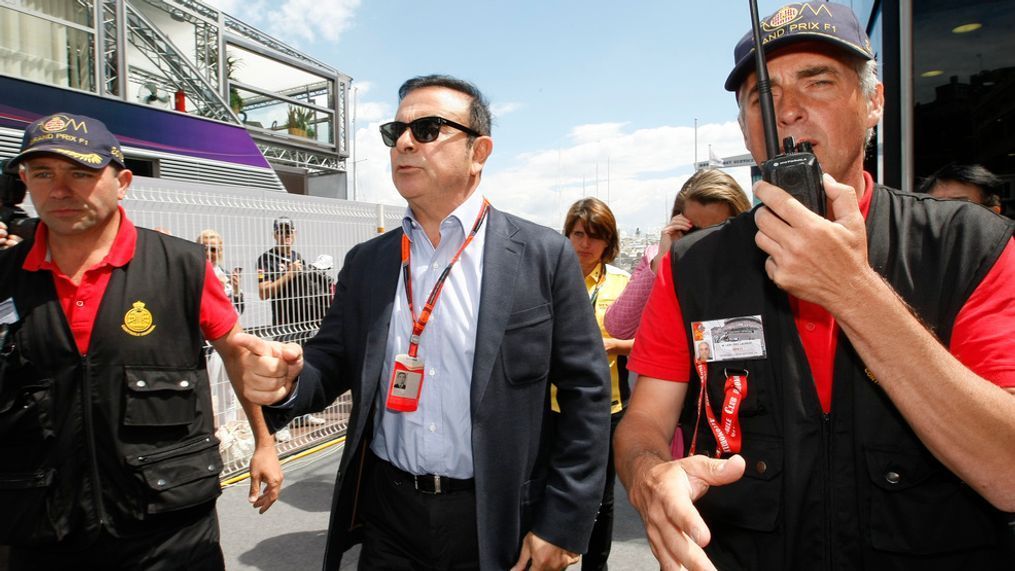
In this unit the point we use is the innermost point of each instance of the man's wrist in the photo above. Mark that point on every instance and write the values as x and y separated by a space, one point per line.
290 397
644 481
875 291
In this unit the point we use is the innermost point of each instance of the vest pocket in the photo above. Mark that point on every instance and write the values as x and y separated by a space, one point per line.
752 502
23 497
178 476
918 507
159 397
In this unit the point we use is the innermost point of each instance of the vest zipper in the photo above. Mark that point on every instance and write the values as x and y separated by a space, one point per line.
826 434
86 406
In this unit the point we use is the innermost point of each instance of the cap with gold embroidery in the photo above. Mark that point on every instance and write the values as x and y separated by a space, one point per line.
81 139
835 24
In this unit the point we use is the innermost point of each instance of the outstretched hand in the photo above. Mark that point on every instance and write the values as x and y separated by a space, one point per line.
665 499
269 367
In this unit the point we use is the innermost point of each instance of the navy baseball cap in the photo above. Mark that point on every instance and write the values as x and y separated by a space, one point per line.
834 24
84 140
284 222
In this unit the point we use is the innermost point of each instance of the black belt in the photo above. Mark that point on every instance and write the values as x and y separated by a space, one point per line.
431 484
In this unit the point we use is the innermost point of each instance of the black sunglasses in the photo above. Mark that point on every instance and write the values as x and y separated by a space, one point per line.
424 129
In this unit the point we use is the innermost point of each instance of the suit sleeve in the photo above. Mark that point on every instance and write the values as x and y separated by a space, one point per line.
581 439
325 362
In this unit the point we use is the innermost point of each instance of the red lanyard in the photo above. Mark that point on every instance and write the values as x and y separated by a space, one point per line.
418 325
727 432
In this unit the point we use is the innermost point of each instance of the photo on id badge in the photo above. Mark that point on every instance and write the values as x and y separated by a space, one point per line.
406 384
729 339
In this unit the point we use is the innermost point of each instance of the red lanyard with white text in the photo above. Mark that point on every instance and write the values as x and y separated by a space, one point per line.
419 324
727 432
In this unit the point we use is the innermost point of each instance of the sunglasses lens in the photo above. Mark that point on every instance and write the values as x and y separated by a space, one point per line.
425 130
390 132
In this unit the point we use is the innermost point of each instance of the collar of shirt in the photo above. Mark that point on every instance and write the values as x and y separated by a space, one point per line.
865 199
595 276
465 215
121 252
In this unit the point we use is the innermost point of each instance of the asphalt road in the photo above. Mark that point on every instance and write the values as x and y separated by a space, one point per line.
291 535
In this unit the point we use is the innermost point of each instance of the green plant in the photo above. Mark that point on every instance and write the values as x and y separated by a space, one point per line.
233 63
299 121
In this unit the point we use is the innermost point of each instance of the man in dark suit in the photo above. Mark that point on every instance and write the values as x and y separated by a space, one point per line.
462 467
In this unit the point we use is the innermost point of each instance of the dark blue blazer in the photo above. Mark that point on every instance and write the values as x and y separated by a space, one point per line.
535 470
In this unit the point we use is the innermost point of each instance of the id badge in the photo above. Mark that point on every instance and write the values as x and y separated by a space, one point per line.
729 339
405 384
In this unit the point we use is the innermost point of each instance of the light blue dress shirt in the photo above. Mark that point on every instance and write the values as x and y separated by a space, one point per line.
436 438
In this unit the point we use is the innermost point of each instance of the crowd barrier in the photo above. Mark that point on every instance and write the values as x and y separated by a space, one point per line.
324 228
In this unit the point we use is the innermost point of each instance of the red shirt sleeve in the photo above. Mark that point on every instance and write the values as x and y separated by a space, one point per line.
660 348
217 313
985 326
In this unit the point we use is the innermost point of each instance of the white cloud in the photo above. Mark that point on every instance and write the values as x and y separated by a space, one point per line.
367 111
362 87
294 21
370 168
595 132
501 109
637 172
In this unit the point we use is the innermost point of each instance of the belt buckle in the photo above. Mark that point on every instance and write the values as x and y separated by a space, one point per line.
436 484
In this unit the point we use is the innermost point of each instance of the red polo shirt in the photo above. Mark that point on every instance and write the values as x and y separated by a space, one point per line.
981 334
81 302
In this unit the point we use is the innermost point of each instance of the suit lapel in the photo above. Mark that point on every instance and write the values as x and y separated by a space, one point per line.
501 255
381 280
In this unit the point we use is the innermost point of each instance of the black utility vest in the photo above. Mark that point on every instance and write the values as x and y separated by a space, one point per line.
120 438
855 489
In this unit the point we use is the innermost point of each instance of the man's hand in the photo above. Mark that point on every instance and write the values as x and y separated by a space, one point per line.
265 469
234 280
7 240
269 367
295 267
543 555
665 498
812 258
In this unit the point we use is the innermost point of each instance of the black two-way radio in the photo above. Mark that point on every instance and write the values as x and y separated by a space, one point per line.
796 170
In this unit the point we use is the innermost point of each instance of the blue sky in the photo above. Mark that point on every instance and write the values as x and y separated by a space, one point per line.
591 98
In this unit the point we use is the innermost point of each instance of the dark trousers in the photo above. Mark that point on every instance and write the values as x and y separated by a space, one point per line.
602 532
193 546
407 529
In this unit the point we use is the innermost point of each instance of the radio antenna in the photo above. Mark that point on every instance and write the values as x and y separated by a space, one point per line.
764 87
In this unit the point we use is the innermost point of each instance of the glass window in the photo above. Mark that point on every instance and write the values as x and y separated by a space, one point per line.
40 50
964 85
273 95
80 12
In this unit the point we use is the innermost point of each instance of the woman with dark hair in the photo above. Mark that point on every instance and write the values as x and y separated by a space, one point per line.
592 230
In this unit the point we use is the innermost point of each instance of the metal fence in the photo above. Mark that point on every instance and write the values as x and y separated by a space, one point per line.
244 220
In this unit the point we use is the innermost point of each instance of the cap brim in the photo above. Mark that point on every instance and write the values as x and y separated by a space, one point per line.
746 64
93 161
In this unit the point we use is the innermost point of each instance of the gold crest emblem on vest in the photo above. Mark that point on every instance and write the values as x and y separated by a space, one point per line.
138 321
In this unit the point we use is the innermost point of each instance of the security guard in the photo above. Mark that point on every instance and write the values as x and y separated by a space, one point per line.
856 406
109 458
